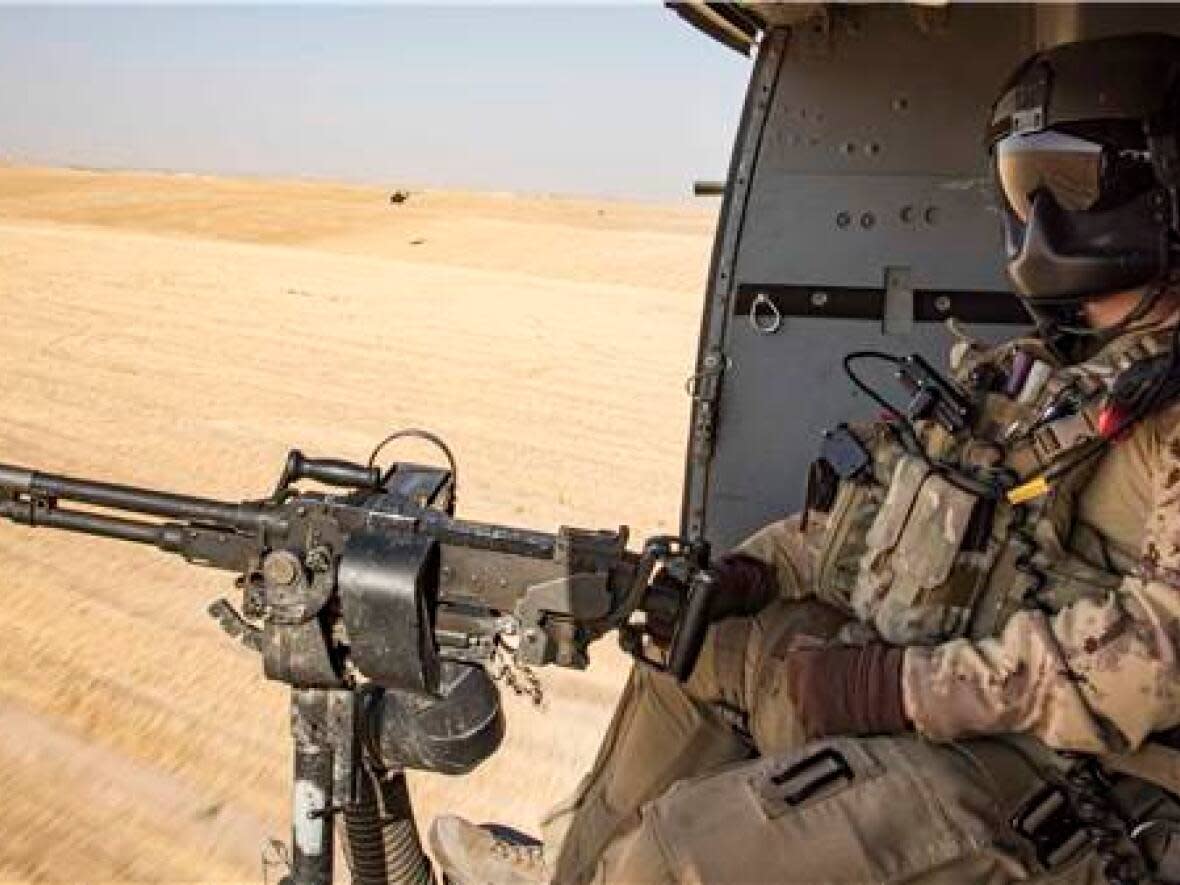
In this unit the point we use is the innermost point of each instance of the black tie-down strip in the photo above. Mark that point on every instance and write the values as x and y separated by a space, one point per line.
851 303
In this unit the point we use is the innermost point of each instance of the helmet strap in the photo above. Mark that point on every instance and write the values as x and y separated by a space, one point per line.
1054 332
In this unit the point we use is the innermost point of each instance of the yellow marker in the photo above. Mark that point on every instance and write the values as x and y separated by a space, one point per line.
1034 488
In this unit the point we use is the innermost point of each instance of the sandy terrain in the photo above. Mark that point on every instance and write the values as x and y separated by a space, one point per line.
184 332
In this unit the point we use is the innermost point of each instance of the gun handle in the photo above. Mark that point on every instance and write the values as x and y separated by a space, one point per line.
686 643
329 471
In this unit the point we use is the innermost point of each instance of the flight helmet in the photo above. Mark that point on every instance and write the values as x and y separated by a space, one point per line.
1085 149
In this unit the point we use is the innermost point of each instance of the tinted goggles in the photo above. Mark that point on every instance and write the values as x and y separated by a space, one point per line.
1080 174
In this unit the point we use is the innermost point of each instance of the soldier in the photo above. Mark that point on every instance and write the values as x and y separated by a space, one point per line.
912 680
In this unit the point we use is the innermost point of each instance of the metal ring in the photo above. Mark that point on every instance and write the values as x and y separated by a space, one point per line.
771 320
694 382
416 433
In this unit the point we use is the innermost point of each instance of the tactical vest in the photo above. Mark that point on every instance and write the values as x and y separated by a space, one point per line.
923 558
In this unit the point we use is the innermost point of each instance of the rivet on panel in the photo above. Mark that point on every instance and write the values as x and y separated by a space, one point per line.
872 148
843 219
942 304
868 220
931 215
906 214
901 103
819 299
848 147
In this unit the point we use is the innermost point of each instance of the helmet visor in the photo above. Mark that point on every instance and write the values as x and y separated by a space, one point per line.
1068 167
1078 173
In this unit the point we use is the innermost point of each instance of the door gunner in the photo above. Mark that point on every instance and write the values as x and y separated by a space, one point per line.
960 664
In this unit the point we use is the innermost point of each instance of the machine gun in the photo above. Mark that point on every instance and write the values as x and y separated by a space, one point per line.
382 612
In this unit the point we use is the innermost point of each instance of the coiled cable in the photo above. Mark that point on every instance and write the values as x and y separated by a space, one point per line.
381 841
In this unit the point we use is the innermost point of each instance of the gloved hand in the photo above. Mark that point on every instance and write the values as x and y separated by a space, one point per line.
845 689
745 586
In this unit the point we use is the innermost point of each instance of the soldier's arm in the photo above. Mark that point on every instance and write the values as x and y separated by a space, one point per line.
790 551
1098 676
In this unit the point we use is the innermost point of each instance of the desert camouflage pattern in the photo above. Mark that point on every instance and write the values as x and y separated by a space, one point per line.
996 672
1099 675
1087 661
675 797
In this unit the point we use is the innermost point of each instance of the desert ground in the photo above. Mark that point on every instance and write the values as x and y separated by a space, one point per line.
182 332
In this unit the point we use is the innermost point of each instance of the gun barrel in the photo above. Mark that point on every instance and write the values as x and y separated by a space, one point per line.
217 547
86 523
243 517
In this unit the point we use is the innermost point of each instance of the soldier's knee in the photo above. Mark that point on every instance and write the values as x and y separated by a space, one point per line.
719 675
638 858
839 810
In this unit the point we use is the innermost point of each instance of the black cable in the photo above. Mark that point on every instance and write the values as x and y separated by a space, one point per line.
899 421
864 388
907 433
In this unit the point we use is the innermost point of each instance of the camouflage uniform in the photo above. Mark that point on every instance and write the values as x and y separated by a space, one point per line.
1057 626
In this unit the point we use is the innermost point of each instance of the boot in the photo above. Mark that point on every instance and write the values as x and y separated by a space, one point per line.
486 855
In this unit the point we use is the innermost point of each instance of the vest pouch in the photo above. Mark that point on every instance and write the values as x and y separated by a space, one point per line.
933 584
855 508
876 570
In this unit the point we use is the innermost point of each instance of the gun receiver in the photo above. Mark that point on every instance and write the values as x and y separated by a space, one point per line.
380 610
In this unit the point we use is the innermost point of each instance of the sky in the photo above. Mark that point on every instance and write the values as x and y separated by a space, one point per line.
604 100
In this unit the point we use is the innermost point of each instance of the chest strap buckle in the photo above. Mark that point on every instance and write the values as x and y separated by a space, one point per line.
1048 821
